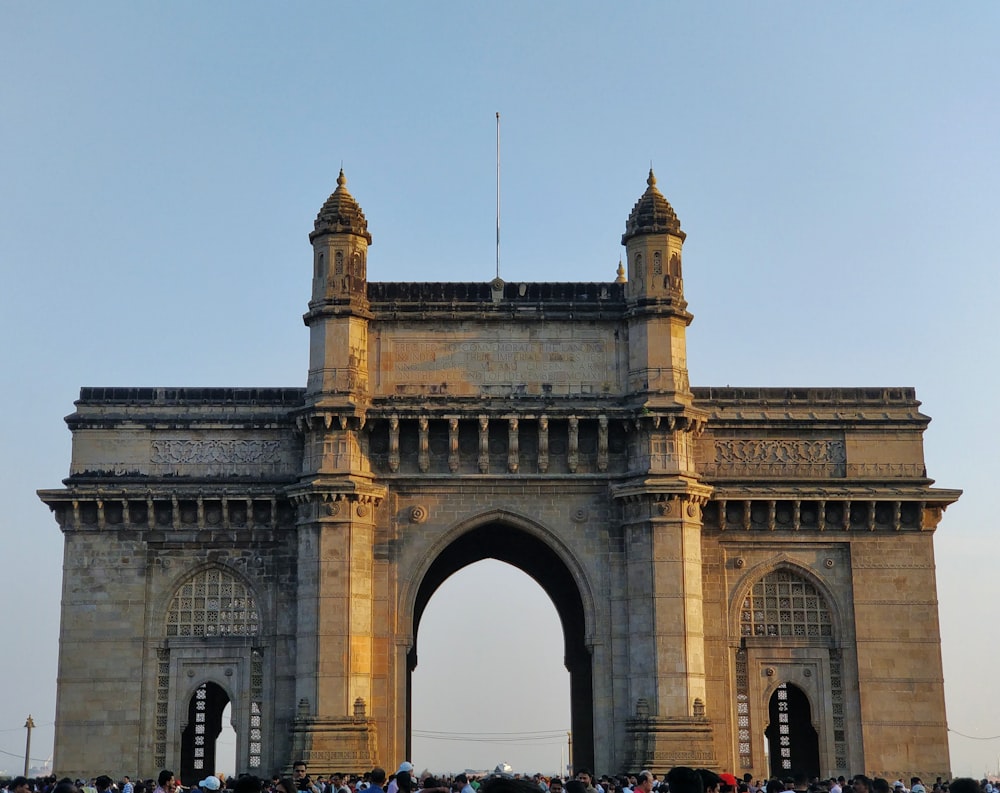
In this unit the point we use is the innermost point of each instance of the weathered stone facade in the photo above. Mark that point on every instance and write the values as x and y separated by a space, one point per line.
726 562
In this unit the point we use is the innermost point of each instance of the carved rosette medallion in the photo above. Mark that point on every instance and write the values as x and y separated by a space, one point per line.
418 514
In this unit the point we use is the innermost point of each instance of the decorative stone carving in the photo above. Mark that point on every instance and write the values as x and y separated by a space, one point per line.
790 456
573 456
484 444
543 444
513 460
394 443
453 457
213 452
418 514
423 453
602 443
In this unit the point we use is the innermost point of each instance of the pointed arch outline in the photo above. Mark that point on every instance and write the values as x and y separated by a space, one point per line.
794 677
170 591
190 688
504 517
784 561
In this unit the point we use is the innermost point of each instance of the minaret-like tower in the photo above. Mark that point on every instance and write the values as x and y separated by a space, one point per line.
336 499
653 242
662 499
338 311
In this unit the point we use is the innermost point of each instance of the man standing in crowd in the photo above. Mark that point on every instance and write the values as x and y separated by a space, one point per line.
583 777
406 767
375 780
643 782
301 778
337 784
165 782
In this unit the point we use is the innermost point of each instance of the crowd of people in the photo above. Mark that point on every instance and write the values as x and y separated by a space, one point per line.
677 780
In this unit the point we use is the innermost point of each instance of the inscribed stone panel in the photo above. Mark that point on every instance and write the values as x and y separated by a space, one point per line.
466 359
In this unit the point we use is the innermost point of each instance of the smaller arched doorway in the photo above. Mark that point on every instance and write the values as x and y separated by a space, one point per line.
204 724
792 740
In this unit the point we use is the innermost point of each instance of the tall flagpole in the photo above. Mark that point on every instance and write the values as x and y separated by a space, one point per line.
498 194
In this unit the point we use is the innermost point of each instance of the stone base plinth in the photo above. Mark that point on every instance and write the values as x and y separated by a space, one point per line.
659 744
331 745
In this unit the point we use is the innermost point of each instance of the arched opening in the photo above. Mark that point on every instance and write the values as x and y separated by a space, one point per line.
793 745
531 555
204 724
225 745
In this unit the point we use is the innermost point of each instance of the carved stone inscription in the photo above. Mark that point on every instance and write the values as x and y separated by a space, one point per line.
558 362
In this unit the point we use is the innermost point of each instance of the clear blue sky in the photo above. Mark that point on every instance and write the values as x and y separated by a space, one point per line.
836 167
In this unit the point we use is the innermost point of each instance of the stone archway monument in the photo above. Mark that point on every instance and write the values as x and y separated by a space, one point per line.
431 404
549 425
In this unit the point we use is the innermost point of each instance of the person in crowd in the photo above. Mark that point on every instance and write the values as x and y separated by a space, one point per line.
643 782
710 780
405 769
210 784
248 783
376 778
165 782
683 779
583 776
302 779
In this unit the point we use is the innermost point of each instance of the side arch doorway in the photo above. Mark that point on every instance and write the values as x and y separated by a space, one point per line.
204 724
530 554
792 740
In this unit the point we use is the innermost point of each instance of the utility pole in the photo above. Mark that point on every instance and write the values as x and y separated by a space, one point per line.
28 725
569 765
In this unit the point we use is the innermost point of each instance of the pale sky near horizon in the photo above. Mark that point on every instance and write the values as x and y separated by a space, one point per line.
836 167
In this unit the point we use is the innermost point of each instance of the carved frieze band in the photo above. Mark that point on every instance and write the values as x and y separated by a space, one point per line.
208 452
779 451
734 456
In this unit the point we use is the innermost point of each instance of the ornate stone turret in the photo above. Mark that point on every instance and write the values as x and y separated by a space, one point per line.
338 311
337 500
653 240
658 311
662 500
340 241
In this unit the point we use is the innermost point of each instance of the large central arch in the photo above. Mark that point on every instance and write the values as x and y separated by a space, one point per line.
508 539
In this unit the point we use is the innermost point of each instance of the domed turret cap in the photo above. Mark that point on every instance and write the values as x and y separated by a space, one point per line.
341 214
652 214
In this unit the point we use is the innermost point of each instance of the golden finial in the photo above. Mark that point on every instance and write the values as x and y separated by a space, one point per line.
621 272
